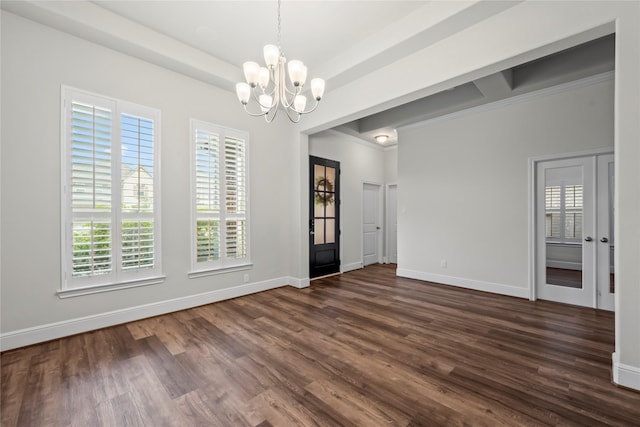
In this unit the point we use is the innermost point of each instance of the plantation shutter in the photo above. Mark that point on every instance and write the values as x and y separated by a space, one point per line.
90 188
563 212
235 198
573 211
220 203
553 197
207 195
137 192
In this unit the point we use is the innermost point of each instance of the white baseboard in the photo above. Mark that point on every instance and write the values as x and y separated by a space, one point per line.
34 335
496 288
298 283
348 267
625 375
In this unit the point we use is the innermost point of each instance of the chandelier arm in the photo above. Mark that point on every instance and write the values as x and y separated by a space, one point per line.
273 116
296 120
246 110
297 90
288 103
311 110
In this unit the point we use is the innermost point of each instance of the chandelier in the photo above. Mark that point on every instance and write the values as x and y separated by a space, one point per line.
268 85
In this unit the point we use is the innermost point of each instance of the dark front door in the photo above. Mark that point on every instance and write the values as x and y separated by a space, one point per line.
324 217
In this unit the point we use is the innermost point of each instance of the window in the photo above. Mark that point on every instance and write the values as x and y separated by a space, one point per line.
220 223
563 204
111 192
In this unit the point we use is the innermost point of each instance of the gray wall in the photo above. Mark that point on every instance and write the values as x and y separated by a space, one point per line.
463 184
36 61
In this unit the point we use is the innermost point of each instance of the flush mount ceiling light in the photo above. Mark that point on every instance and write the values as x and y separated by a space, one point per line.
268 85
381 139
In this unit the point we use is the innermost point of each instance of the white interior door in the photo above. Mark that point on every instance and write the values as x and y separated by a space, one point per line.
605 237
371 224
392 224
566 231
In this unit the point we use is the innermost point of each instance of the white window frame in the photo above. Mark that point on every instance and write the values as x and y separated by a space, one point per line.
117 278
223 264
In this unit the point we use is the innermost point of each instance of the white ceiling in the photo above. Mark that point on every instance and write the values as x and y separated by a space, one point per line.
339 40
235 31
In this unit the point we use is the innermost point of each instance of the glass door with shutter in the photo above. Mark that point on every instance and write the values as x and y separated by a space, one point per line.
566 231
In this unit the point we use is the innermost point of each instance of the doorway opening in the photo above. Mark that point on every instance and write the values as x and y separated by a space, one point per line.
573 230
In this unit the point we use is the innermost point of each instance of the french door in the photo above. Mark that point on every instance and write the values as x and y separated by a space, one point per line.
324 217
574 231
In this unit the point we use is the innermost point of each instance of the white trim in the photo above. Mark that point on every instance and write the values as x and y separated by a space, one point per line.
51 331
552 90
88 290
299 283
349 267
565 265
625 375
215 271
478 285
386 220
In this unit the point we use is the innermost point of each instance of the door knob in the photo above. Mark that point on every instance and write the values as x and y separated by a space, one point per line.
604 240
588 239
377 228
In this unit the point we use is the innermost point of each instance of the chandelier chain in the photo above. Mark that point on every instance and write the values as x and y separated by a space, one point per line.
279 27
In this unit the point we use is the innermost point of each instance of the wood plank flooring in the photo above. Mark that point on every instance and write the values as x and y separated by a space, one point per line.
361 349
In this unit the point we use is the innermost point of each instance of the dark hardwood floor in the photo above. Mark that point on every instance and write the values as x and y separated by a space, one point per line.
364 348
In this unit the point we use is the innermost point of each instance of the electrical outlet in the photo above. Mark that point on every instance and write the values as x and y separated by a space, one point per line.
246 278
443 263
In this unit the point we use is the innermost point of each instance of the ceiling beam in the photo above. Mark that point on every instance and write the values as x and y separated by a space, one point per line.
496 85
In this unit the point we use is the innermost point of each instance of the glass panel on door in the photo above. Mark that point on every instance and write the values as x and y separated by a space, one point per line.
563 226
324 206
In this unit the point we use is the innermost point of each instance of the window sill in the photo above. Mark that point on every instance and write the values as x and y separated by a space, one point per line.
89 290
222 270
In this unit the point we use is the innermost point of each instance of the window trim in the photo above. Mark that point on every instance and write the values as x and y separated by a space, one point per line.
223 265
117 279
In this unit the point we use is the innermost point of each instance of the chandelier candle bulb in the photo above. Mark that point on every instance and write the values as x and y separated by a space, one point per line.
263 78
317 88
300 103
251 71
296 71
271 55
243 91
